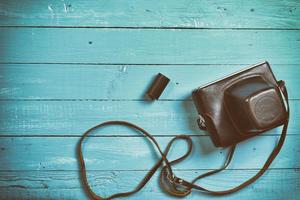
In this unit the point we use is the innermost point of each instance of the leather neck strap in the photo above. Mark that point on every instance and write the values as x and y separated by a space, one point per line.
169 182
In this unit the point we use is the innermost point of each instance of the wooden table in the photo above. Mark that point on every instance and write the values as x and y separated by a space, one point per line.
68 65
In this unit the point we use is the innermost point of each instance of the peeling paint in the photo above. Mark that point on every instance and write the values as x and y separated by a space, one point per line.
50 8
65 8
61 161
117 79
123 69
8 91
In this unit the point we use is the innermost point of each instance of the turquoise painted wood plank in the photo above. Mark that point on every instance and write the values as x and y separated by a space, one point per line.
71 45
275 184
136 153
74 117
45 81
193 14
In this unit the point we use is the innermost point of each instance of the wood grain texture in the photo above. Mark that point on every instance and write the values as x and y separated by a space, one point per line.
126 82
168 13
66 65
65 185
137 153
74 117
155 46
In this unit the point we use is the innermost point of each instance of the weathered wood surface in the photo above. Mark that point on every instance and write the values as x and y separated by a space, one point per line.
135 153
271 14
151 46
120 82
56 117
66 65
275 184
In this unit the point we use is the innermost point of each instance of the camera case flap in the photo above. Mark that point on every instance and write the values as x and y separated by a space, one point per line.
241 105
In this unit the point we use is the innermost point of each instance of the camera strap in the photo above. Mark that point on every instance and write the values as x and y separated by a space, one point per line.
168 180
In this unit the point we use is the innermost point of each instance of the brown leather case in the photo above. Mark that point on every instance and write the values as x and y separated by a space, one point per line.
241 105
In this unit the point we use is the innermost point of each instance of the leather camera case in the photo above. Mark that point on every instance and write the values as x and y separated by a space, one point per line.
241 105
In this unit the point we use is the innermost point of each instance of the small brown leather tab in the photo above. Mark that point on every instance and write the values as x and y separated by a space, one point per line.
157 87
